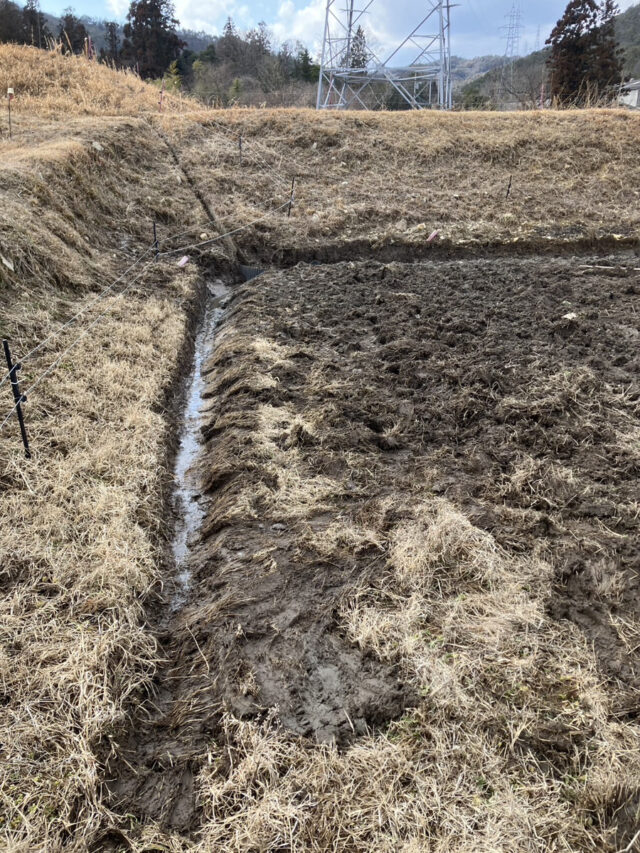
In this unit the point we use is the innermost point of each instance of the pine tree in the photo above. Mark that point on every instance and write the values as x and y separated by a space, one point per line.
359 53
304 67
173 77
151 42
36 31
609 56
235 91
585 61
209 54
230 46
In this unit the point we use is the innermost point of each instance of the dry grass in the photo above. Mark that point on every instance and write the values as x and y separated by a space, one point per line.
394 178
79 555
82 527
52 85
511 746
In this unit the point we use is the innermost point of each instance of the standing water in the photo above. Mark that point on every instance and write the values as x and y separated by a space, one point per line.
188 503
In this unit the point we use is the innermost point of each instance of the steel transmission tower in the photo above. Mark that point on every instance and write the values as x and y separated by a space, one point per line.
422 82
512 50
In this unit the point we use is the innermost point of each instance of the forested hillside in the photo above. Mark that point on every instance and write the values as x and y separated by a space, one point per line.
525 83
628 32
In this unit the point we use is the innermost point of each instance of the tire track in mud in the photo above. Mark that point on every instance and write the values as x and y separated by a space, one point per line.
238 630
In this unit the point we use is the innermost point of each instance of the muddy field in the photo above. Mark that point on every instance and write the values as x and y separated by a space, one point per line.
344 405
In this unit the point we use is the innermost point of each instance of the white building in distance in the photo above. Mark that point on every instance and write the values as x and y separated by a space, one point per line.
630 94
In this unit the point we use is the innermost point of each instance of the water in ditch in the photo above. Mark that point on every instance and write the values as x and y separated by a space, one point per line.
188 501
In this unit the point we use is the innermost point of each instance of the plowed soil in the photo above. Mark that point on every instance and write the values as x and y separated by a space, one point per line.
341 395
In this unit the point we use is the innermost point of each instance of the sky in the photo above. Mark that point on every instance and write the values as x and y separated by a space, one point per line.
475 24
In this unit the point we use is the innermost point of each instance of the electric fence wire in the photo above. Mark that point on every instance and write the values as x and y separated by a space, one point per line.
122 292
24 395
260 162
257 158
228 233
138 260
252 142
79 313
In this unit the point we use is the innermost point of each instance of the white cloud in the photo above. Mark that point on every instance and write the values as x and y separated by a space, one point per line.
211 15
118 7
475 23
305 24
208 15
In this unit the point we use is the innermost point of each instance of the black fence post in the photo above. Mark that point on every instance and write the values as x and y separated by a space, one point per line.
17 396
293 184
240 148
9 99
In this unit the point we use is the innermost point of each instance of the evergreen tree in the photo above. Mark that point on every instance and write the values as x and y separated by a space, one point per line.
151 42
584 60
35 26
304 67
11 22
230 46
609 55
209 54
173 77
235 92
112 41
359 54
72 33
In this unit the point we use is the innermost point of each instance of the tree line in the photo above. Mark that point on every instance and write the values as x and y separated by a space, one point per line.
232 67
582 64
583 60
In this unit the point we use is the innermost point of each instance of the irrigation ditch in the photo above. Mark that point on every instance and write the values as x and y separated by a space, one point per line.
327 690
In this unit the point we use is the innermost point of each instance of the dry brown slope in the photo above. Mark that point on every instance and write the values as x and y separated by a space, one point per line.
377 180
82 527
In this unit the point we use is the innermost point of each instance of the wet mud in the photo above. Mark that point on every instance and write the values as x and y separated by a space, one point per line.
510 386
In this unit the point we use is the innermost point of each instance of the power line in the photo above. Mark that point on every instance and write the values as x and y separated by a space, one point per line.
102 295
53 365
222 236
512 49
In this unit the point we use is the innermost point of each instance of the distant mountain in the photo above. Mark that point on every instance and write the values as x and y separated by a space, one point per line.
628 32
464 70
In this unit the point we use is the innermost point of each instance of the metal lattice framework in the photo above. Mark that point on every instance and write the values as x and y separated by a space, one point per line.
512 51
423 82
